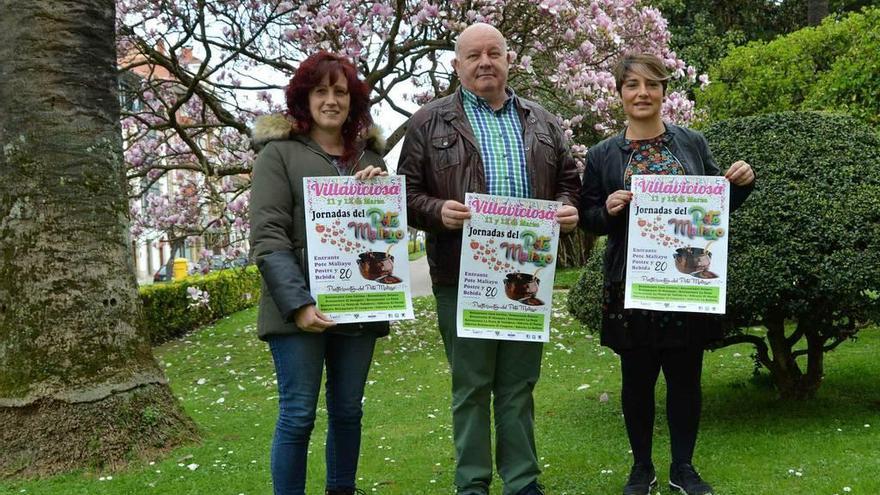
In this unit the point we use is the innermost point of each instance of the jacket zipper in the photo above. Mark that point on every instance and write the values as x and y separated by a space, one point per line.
625 165
326 159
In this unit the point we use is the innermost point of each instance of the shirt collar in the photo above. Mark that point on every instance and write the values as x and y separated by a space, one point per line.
479 101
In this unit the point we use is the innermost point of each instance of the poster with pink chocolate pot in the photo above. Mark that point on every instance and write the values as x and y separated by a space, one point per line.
508 262
677 244
358 260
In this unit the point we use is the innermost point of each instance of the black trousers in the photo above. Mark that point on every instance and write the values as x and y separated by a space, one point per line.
682 368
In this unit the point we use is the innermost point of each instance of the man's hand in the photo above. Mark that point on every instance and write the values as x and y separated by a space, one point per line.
369 173
617 201
740 173
310 319
454 214
567 216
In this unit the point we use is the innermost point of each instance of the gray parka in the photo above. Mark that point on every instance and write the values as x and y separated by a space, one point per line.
277 218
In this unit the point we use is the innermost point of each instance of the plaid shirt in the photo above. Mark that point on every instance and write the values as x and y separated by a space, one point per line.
500 135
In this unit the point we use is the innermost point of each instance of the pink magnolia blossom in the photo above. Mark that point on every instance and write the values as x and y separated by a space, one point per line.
196 106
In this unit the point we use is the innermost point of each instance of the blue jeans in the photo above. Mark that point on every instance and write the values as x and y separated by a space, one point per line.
299 364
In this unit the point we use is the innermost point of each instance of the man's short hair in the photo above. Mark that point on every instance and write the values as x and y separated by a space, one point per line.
648 66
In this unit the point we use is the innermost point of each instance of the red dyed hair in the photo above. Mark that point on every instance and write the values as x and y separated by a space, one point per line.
309 74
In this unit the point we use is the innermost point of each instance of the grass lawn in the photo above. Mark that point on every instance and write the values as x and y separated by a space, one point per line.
751 443
567 277
416 255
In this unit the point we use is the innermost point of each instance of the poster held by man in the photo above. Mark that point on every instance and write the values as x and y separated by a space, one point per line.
507 268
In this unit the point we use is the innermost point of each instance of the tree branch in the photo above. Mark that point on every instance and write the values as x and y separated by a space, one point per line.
761 349
826 348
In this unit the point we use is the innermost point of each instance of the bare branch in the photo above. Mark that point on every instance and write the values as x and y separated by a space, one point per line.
761 349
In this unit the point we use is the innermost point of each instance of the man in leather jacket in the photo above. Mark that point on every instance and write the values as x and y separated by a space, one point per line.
518 149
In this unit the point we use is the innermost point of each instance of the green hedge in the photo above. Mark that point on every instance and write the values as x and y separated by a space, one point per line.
806 245
585 298
169 311
831 67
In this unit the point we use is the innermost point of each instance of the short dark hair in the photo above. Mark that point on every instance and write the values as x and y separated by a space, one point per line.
643 64
309 74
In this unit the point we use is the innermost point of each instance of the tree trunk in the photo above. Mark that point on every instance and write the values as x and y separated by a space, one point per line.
790 381
812 379
395 138
816 11
78 382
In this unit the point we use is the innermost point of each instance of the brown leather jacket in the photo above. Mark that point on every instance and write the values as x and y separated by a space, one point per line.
441 160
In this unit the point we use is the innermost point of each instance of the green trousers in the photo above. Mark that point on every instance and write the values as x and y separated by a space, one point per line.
488 372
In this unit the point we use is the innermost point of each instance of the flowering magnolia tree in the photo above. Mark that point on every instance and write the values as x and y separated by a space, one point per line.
195 113
203 161
197 204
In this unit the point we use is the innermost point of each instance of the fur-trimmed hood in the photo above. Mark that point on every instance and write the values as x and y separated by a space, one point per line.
277 127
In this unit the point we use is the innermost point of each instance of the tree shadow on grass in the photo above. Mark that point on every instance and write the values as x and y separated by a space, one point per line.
850 390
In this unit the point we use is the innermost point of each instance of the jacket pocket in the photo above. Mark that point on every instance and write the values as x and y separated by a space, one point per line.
446 151
545 148
544 156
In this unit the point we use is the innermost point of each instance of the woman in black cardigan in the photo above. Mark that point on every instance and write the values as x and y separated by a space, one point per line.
650 341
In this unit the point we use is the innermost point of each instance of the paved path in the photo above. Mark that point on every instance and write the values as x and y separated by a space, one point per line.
421 280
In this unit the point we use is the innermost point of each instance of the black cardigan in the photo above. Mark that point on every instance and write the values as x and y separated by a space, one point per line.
606 164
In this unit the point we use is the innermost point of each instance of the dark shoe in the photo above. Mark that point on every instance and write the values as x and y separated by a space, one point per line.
642 478
345 491
684 478
532 488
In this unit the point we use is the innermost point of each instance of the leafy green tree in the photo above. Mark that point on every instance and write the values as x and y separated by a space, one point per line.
830 67
704 31
852 84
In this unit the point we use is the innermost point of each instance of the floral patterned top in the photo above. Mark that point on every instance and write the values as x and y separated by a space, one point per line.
651 157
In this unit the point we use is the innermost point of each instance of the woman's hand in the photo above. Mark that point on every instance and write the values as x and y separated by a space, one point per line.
740 173
617 202
311 319
370 172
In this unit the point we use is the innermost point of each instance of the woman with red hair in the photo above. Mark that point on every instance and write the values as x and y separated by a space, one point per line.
324 133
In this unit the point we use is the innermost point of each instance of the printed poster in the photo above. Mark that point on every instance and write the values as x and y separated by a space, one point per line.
677 249
508 262
358 258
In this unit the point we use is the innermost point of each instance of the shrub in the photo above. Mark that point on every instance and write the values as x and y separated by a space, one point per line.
574 249
804 259
805 248
829 67
585 298
807 241
174 308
